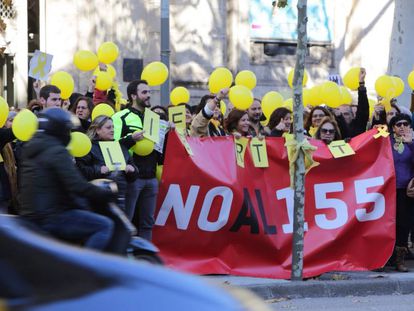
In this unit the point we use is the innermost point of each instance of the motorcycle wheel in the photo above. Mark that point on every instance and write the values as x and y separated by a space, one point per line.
148 257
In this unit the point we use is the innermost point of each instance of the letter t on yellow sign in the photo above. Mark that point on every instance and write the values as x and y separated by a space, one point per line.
339 149
151 125
259 152
240 147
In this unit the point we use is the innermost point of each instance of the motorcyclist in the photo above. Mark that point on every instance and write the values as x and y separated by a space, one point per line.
49 181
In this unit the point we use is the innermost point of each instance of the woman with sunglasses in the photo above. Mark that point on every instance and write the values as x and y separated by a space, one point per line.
328 131
403 154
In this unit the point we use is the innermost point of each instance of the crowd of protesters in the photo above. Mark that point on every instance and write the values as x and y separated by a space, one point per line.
44 198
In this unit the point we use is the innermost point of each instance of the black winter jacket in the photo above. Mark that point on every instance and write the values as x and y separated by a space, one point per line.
49 179
90 166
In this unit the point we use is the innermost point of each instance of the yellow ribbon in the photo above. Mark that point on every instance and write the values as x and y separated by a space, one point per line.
312 131
293 148
382 132
41 63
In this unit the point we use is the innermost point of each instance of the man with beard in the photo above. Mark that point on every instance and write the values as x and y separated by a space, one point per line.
128 126
255 114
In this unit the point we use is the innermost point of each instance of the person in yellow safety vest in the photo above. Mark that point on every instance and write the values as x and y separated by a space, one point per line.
142 193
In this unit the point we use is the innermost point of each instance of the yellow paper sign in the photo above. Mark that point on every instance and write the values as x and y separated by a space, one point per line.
176 115
151 125
339 149
183 139
259 152
40 65
240 148
382 132
113 156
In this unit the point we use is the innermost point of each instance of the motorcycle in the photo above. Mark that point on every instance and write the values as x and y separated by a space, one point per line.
125 241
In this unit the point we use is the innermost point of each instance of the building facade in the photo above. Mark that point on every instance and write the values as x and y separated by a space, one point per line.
375 34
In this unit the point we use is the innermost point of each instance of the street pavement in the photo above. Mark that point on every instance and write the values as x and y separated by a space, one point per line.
332 284
349 303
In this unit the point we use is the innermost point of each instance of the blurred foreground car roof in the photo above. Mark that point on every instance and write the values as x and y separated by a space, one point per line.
38 273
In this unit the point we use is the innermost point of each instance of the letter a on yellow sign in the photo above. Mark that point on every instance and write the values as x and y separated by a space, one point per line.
339 149
259 152
240 147
151 125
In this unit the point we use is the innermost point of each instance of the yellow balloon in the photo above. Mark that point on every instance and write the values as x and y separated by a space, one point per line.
270 102
410 80
64 82
219 79
85 60
24 125
306 93
246 78
399 85
288 103
109 69
331 94
155 73
103 81
351 78
4 111
223 107
315 95
241 97
102 110
79 145
346 97
290 78
385 87
158 172
179 95
108 52
143 147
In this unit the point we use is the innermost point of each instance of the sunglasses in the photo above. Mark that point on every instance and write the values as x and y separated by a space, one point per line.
327 131
405 123
146 92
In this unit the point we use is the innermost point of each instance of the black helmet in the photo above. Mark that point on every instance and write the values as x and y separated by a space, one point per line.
56 122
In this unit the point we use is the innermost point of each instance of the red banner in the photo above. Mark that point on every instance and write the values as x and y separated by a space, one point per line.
215 217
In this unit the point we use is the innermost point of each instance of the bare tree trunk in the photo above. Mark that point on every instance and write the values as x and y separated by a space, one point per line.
299 180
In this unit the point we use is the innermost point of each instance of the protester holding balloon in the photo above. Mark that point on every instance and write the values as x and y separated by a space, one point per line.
280 122
205 112
93 164
128 124
357 124
382 117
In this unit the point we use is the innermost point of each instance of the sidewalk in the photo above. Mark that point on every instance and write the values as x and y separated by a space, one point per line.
332 284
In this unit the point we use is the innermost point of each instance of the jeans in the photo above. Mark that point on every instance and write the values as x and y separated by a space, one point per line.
76 224
142 195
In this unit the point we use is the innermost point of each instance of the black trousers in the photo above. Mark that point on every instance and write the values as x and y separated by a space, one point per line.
404 219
